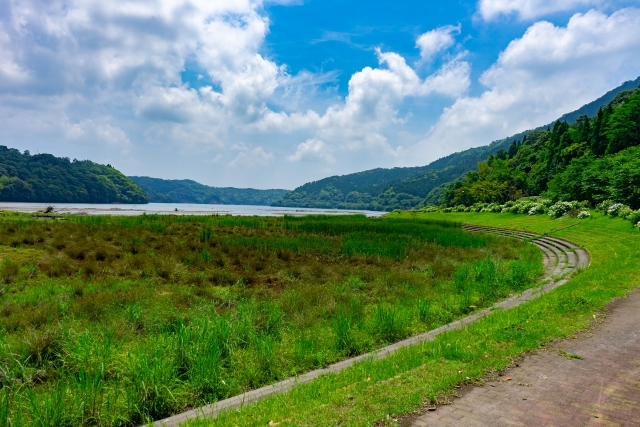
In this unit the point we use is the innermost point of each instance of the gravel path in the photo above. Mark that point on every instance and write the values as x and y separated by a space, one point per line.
593 380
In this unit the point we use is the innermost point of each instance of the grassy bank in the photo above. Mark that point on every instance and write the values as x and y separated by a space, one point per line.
119 320
378 391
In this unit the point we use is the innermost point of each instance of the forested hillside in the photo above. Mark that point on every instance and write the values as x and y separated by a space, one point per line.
49 179
593 160
406 188
188 191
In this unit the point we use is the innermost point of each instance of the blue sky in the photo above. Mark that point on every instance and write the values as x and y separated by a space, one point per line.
275 93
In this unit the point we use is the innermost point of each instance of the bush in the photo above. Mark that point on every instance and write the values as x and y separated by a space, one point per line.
536 209
625 212
584 215
604 206
615 209
561 208
634 217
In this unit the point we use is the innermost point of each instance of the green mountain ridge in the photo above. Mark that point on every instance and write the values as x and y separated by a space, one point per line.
406 188
595 160
44 178
189 191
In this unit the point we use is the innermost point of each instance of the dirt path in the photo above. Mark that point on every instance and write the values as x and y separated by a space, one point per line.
552 388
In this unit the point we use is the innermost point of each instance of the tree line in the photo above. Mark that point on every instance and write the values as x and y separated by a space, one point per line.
593 159
45 178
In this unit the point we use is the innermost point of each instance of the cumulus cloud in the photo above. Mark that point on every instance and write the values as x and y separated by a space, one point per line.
94 133
108 77
549 71
312 150
529 9
371 105
132 52
250 156
216 159
435 41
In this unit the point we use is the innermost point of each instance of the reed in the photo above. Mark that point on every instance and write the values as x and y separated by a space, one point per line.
115 321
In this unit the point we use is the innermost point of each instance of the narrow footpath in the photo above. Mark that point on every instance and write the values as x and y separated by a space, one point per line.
593 380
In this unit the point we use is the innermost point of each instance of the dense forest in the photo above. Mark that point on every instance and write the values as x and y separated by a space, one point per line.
406 188
188 191
48 179
592 159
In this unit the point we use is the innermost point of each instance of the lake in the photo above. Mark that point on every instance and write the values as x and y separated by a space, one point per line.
175 209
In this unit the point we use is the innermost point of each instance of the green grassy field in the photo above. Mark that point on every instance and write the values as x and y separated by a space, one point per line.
377 392
116 321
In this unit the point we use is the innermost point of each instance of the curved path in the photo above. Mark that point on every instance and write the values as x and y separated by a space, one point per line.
591 380
562 259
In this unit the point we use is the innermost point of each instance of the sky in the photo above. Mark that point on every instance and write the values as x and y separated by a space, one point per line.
277 93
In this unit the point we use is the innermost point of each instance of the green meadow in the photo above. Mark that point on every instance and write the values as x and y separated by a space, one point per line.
117 321
379 392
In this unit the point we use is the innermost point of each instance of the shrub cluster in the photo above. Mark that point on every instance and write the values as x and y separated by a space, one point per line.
539 206
561 209
613 209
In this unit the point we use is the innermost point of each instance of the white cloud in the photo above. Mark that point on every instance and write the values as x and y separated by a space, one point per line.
312 150
88 78
250 157
216 159
529 9
95 133
435 41
547 72
89 71
372 103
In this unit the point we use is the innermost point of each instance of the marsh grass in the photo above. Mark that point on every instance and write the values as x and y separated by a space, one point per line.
378 392
117 321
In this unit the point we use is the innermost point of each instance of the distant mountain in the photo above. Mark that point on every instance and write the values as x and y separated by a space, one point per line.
188 191
45 178
406 188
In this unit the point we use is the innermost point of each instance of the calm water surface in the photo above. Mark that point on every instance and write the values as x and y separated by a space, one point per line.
175 209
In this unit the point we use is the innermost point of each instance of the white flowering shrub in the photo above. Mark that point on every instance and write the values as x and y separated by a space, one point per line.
604 206
625 212
615 209
536 209
561 208
477 207
584 215
638 225
430 209
633 217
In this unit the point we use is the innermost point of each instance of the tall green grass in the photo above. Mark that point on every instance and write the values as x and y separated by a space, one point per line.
115 321
377 392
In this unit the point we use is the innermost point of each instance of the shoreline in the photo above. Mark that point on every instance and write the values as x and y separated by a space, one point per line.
173 209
